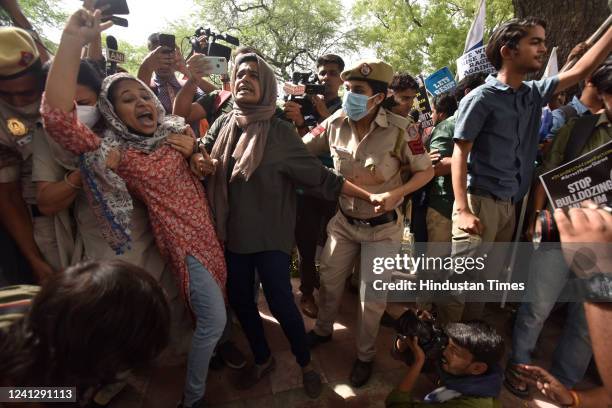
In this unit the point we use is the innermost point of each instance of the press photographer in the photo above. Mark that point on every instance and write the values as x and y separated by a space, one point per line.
159 70
329 68
468 371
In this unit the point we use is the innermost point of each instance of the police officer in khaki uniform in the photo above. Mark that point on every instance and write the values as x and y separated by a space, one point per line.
369 146
21 84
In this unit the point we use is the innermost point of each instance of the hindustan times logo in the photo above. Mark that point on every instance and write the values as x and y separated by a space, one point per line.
459 265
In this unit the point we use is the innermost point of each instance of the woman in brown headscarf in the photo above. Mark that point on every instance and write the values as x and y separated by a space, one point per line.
255 164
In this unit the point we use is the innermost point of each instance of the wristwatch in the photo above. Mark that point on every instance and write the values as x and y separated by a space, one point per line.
598 288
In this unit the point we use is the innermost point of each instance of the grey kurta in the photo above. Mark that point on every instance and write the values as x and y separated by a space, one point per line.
262 210
144 253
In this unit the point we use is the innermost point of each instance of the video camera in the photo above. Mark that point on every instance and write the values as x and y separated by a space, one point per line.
213 49
303 85
431 337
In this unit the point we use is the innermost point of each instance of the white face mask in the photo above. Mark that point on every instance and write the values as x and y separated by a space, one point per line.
88 115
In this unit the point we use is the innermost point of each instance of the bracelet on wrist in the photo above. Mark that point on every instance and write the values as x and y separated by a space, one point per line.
74 186
575 399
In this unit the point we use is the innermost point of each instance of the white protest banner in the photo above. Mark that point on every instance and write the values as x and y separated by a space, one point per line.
552 68
476 34
473 62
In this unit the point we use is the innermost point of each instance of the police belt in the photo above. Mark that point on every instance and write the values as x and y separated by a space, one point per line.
385 218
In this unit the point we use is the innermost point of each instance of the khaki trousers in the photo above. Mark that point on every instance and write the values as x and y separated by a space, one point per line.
337 259
498 220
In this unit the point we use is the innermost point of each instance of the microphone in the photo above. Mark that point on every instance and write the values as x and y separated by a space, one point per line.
111 45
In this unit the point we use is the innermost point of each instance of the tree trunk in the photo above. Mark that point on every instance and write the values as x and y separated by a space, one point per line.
568 21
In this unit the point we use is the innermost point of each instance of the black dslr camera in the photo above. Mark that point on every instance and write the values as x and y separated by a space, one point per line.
431 337
312 87
546 228
212 48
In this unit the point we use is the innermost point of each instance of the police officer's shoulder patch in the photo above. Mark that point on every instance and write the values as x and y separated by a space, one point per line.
317 131
416 146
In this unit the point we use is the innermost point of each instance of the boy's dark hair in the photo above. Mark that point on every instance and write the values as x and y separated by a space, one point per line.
602 77
402 81
445 103
86 325
470 82
331 59
377 86
479 338
509 35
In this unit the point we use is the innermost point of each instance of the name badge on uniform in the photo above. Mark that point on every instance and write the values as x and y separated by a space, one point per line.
24 140
19 131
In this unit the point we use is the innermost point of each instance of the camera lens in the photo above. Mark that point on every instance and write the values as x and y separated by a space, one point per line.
545 229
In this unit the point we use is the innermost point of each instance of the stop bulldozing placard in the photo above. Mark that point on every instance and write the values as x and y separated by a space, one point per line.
589 177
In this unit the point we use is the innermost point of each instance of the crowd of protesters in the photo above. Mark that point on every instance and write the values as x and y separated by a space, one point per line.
149 209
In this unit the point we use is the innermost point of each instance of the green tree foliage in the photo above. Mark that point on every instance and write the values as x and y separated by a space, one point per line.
422 36
40 13
291 34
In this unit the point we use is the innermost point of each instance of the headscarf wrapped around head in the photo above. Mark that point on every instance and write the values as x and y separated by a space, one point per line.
254 121
105 190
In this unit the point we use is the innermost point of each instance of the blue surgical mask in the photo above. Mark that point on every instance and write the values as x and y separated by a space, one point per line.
355 105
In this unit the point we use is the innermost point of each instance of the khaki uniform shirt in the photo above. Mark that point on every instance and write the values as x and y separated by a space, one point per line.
18 128
373 162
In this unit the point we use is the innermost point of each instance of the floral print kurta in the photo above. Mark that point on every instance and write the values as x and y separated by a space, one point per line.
178 209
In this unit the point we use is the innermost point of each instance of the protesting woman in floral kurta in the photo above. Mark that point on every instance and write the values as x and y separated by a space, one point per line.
152 171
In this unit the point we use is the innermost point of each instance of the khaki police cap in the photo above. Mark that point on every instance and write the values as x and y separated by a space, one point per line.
18 51
372 69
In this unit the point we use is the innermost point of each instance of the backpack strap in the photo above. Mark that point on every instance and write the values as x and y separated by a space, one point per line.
581 132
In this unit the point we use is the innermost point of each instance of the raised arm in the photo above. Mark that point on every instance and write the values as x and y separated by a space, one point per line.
82 28
184 105
58 102
159 57
195 69
587 64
